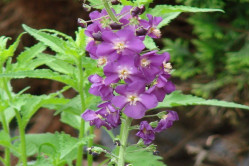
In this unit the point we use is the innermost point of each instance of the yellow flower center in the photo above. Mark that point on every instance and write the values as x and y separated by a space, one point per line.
119 46
132 99
145 62
123 74
167 67
102 61
155 31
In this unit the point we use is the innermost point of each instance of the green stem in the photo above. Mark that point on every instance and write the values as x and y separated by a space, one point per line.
90 144
6 129
109 11
82 125
123 138
22 138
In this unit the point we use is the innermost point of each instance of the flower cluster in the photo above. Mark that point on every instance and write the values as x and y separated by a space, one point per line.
147 133
134 79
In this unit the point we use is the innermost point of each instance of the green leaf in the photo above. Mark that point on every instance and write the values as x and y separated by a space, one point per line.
178 99
6 53
26 56
41 73
127 3
58 146
168 12
67 48
149 43
97 4
71 119
139 156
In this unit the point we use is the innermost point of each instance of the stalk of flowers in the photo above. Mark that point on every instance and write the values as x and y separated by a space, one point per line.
134 80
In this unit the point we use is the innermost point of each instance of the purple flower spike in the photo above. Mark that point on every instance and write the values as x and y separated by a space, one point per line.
167 121
134 100
98 88
161 87
94 119
123 42
111 114
146 133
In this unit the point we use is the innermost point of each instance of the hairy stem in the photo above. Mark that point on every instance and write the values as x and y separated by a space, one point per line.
123 138
90 144
6 129
109 11
22 138
82 125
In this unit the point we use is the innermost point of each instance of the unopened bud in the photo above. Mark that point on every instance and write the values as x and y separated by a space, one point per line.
141 31
82 23
87 8
135 12
142 9
115 26
156 153
97 36
117 143
115 2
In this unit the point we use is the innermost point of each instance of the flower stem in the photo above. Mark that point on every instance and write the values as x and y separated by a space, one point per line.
123 138
6 129
109 11
22 138
90 144
82 124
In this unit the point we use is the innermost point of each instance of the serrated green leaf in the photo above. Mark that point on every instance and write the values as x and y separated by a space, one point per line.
6 53
41 73
57 146
168 12
139 156
97 4
57 44
178 99
127 3
149 43
71 119
24 59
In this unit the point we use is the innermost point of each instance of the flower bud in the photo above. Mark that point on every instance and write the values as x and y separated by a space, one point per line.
142 9
115 26
97 36
87 8
156 153
135 12
115 2
82 23
117 143
141 31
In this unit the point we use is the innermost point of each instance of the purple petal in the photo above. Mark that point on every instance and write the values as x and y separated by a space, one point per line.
89 115
135 111
149 101
119 101
104 49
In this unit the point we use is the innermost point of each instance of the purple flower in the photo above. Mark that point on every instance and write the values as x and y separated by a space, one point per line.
146 133
134 100
167 121
111 114
161 87
123 69
151 25
101 18
95 119
98 88
123 42
150 64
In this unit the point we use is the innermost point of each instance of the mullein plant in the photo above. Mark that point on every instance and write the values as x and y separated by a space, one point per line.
134 79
